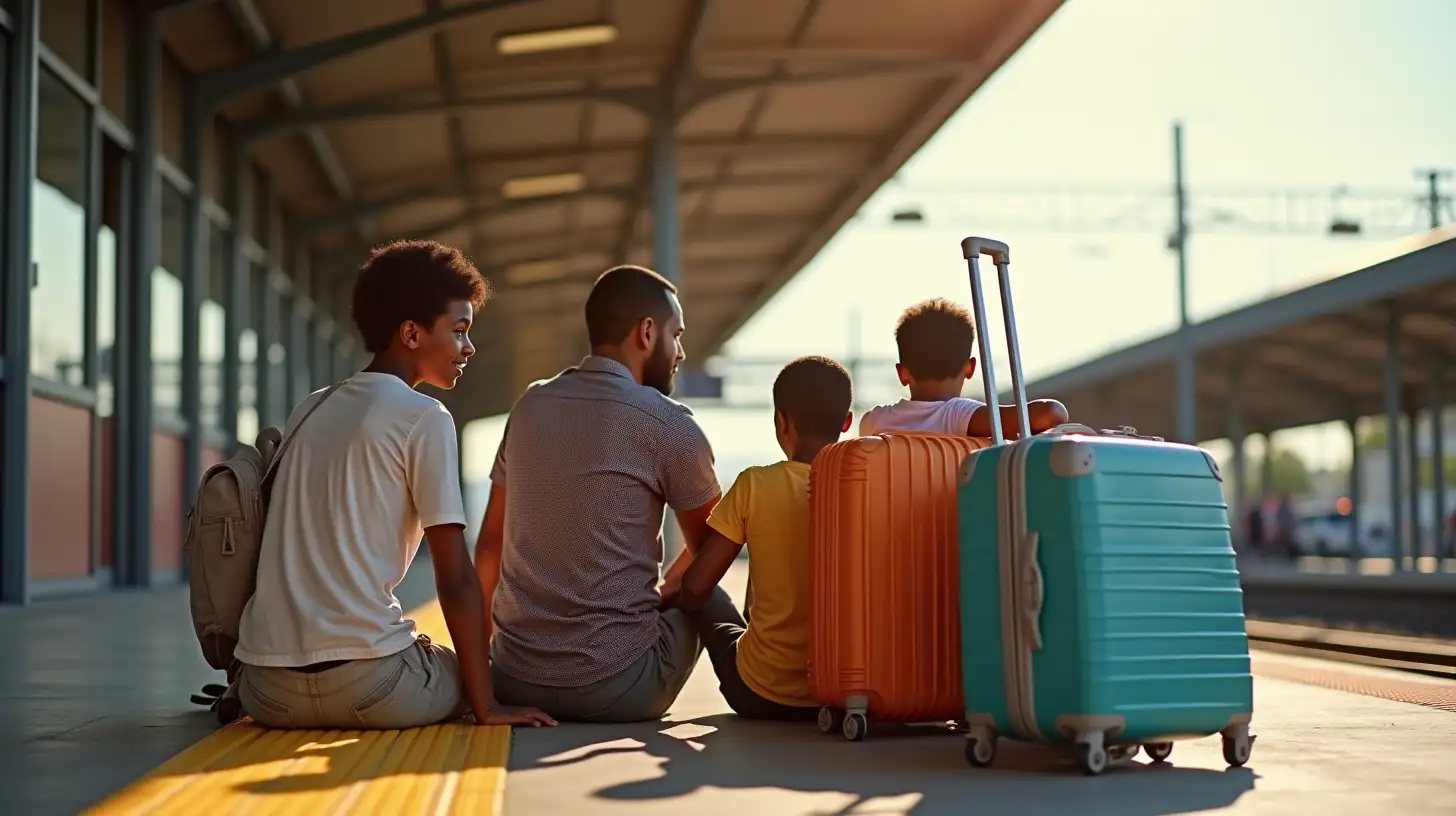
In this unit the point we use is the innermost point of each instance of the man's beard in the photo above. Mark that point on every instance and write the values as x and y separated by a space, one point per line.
658 373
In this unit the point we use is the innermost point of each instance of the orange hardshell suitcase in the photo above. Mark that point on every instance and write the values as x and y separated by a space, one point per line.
885 633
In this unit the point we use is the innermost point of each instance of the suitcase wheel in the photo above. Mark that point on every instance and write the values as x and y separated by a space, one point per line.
1237 747
980 749
830 719
1159 751
855 726
1091 757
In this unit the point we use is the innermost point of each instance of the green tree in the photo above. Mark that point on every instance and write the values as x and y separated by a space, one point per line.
1373 438
1289 474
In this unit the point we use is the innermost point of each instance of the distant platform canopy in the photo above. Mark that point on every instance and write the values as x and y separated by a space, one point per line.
1311 356
523 131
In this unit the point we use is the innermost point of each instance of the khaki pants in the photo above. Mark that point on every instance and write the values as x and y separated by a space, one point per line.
418 686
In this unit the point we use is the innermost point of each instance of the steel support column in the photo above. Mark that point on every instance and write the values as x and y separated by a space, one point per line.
268 334
20 120
1186 362
287 337
1356 500
1413 472
239 299
666 229
134 387
195 117
1266 468
666 249
1237 439
1392 433
1438 461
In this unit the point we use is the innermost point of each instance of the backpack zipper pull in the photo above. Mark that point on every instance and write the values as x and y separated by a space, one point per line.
229 547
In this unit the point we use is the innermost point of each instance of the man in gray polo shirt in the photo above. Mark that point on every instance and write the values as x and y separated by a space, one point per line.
571 544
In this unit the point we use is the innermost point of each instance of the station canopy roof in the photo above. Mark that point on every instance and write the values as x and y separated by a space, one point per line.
1315 355
381 119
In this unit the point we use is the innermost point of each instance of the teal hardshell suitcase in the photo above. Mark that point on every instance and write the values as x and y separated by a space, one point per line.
1100 596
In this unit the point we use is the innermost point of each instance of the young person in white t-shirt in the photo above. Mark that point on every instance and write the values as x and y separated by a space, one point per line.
937 341
324 642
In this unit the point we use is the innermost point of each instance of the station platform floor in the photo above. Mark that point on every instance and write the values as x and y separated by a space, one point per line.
94 695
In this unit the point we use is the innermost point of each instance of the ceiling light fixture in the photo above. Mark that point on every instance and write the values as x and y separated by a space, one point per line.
537 186
535 271
555 39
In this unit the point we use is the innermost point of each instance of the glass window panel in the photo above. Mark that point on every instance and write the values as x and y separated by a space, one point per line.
248 356
4 148
211 329
167 307
65 28
58 235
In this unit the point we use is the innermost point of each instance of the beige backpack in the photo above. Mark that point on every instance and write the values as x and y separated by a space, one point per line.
225 535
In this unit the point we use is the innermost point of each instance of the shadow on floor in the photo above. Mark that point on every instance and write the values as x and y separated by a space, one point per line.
925 770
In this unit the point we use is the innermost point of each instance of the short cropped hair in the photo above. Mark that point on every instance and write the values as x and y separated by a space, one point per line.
936 337
411 280
815 394
621 298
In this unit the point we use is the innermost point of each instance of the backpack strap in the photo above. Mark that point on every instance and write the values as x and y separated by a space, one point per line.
266 485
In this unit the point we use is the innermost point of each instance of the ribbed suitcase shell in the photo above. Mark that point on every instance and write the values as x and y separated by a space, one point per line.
885 590
1134 593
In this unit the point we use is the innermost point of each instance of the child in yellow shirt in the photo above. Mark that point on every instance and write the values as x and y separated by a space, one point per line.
763 667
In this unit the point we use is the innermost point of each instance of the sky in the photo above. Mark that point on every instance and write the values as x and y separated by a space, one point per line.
1272 96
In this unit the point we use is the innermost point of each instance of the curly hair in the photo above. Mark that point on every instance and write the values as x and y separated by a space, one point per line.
815 394
412 280
936 337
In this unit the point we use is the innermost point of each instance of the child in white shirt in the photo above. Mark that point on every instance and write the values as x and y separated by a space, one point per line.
937 343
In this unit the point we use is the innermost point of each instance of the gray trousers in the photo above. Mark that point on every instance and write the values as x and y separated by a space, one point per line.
642 691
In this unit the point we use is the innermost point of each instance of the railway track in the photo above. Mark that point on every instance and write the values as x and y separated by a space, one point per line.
1425 656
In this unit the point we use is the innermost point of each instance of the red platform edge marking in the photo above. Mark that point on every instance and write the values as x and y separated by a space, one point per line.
1431 695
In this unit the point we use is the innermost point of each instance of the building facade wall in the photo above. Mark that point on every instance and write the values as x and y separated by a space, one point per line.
94 361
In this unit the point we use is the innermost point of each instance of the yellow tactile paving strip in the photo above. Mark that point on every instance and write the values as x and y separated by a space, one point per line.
440 770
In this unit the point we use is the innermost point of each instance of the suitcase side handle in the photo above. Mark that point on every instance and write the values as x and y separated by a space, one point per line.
973 248
1033 596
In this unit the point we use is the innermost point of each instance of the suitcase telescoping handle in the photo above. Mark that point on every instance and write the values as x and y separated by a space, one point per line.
973 248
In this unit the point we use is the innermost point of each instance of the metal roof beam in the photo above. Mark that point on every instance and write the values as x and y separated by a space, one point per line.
488 202
223 84
643 99
812 144
257 130
1427 351
745 228
159 6
255 30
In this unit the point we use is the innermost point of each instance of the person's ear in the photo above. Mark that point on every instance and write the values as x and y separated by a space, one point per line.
848 421
411 334
781 422
971 368
903 373
646 334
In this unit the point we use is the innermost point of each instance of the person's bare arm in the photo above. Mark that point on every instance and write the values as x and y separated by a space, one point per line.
1044 415
709 566
488 547
463 603
693 524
